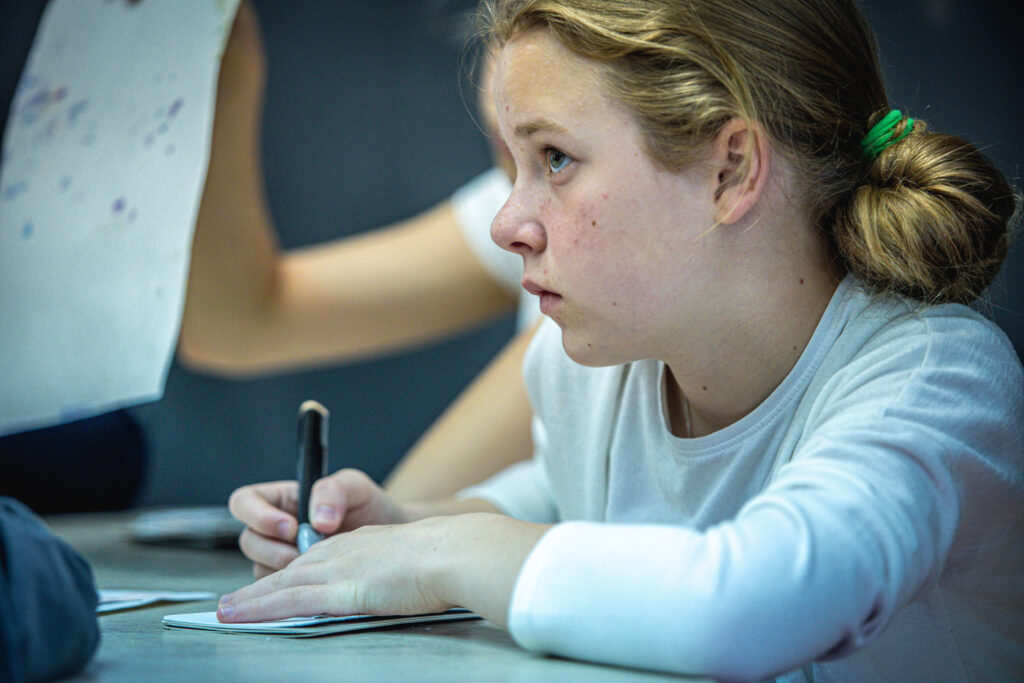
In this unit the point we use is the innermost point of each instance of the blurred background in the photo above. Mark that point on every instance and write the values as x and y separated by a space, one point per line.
370 119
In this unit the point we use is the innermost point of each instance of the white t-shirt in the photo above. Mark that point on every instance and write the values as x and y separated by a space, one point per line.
476 204
865 522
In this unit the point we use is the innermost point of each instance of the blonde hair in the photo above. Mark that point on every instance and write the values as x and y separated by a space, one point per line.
929 218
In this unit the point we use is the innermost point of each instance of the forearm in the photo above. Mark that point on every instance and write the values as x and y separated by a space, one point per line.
235 257
485 430
478 561
251 308
445 507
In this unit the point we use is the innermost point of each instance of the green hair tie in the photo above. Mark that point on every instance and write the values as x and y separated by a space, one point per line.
879 138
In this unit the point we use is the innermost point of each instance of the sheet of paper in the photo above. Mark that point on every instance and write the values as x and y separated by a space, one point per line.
111 600
103 162
306 627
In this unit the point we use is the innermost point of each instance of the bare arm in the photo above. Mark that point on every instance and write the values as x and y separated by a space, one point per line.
248 302
486 429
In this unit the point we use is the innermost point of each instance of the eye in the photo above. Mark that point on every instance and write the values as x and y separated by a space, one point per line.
557 159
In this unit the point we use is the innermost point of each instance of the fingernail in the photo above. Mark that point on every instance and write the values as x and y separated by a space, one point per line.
284 529
325 513
226 611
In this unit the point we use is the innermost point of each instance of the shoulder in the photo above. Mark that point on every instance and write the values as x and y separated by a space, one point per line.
913 345
942 372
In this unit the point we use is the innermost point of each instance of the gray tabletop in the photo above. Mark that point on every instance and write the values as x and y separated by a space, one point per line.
136 647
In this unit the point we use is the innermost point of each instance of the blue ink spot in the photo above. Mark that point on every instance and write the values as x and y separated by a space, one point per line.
12 191
76 109
175 107
149 140
41 97
169 150
27 230
119 205
65 183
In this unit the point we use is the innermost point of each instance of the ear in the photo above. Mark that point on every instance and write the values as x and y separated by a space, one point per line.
739 158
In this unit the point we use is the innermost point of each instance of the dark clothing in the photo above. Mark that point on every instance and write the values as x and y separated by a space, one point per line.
88 465
48 624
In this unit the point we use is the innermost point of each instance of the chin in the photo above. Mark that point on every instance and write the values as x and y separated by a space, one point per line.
585 351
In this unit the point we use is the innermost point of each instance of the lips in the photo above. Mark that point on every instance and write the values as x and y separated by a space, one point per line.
535 289
548 299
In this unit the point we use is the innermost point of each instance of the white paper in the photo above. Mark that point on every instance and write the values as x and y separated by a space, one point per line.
306 627
111 600
103 162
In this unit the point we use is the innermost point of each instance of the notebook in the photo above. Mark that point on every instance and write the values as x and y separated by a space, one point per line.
307 627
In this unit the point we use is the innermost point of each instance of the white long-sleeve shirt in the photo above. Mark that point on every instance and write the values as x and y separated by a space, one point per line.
865 522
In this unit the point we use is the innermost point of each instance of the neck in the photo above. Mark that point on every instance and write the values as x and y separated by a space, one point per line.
731 375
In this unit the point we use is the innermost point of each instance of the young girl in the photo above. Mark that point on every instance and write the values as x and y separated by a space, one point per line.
771 439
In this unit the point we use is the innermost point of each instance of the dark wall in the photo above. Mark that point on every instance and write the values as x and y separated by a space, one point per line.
365 124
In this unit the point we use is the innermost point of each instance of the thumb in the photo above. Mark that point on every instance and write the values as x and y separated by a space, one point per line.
336 501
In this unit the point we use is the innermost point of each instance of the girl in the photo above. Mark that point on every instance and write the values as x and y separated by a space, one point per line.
770 438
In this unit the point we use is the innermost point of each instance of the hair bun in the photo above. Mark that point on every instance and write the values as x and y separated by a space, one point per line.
931 220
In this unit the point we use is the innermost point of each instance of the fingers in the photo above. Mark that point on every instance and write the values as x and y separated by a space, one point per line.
268 509
261 570
340 502
251 602
297 601
268 554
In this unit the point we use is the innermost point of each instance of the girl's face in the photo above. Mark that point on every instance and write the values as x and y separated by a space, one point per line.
621 252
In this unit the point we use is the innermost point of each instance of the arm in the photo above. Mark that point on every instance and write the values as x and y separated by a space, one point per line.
47 600
484 431
814 567
385 290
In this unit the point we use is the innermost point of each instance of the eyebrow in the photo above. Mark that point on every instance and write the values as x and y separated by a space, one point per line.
537 126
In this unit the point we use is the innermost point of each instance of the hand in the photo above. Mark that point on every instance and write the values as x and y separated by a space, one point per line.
372 570
341 502
467 560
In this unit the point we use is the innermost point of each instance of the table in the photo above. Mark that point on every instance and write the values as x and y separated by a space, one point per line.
135 646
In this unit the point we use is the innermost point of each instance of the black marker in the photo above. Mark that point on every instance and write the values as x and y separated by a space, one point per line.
312 465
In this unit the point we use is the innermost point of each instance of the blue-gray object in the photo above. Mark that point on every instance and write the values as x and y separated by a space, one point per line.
48 625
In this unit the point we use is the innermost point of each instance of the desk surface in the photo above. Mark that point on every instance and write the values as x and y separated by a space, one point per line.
136 647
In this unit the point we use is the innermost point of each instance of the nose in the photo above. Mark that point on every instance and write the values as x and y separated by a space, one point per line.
517 227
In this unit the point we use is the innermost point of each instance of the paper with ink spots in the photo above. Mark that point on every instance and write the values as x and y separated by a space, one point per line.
103 162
